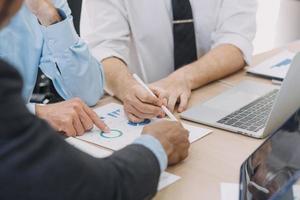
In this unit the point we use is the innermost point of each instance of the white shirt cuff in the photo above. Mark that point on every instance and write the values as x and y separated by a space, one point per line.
31 107
154 145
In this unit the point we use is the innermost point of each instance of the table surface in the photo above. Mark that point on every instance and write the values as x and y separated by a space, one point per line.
216 158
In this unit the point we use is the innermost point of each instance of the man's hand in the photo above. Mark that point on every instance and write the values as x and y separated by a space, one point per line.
178 90
173 137
44 10
71 117
140 105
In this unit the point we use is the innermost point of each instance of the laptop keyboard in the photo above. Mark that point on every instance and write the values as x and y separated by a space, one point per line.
253 116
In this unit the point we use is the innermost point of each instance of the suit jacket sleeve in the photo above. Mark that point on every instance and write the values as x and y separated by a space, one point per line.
36 163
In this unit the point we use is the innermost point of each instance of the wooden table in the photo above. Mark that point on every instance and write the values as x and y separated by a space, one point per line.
216 158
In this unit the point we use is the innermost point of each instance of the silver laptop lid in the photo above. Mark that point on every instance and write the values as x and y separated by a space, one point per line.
288 98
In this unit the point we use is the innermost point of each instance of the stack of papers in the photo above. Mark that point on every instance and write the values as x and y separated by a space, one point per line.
275 67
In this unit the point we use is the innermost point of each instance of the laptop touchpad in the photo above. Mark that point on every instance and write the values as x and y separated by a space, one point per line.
231 101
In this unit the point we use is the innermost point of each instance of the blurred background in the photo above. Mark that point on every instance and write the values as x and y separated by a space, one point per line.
278 24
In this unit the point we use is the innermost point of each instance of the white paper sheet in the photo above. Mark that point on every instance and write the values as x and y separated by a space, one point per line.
88 148
124 132
196 133
165 180
229 191
275 67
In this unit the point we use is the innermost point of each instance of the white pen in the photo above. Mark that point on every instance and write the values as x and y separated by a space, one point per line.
165 109
276 82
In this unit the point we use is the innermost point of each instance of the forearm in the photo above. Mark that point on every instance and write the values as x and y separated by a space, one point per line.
68 61
219 62
131 173
117 77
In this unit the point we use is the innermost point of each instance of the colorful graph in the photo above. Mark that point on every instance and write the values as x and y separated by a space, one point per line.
143 123
283 63
115 114
114 133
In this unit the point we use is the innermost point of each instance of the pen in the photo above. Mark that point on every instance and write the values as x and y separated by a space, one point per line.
165 109
276 82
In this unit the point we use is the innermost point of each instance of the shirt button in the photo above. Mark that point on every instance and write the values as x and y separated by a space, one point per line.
51 43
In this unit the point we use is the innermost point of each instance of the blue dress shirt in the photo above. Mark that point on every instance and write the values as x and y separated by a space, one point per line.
57 50
63 57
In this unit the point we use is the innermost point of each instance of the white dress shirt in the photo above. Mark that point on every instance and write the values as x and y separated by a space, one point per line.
140 31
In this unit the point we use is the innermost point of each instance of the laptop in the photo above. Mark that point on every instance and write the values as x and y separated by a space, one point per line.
272 172
251 108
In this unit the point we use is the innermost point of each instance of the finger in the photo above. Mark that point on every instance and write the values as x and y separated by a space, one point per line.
85 120
183 102
165 101
134 118
69 130
145 108
146 97
184 150
174 158
96 120
137 113
184 153
78 125
160 93
172 102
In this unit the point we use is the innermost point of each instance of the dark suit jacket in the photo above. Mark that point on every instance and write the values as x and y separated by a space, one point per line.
36 163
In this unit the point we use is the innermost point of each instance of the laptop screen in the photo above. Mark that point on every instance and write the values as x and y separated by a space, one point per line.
274 166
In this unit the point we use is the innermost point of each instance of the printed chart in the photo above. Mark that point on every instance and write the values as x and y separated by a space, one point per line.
284 63
275 67
123 132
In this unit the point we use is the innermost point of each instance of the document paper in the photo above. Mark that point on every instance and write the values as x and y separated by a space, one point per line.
275 67
165 180
123 132
230 191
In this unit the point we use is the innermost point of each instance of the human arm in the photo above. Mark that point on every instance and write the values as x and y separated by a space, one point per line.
109 43
37 164
219 62
138 103
66 59
231 48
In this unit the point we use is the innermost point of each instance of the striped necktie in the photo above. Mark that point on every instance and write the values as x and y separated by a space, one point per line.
185 50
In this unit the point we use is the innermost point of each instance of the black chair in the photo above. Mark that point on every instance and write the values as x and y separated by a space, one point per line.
44 90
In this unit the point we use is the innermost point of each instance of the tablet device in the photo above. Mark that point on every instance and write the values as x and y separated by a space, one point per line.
273 170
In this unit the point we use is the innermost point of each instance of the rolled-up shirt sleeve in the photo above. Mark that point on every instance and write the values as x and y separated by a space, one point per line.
107 32
236 25
67 61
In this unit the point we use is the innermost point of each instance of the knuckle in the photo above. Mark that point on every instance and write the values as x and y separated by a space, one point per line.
128 100
77 100
76 105
69 120
143 97
73 114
